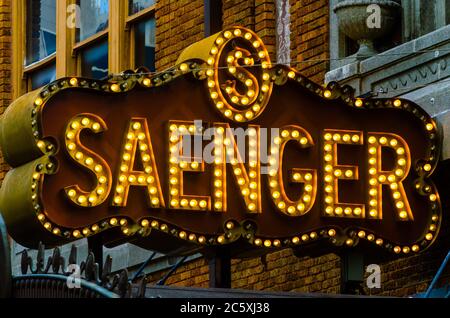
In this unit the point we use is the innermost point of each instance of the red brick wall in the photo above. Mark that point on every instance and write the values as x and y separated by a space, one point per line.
5 65
265 24
310 37
178 24
279 271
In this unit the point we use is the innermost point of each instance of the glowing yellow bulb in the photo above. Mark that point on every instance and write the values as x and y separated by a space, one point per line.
71 146
115 88
85 121
147 82
403 215
73 81
397 103
183 67
359 102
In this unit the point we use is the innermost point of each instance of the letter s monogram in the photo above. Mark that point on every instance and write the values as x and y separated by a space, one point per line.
240 92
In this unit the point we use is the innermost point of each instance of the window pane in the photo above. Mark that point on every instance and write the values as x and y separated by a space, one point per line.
43 76
95 60
41 29
94 17
138 5
145 44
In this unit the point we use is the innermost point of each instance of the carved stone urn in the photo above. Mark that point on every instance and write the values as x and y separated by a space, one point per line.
367 20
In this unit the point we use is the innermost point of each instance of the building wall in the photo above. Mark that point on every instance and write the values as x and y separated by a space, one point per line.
181 23
5 65
310 37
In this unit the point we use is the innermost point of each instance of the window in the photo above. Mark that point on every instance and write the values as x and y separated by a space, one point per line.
102 38
91 48
42 76
95 60
144 44
93 19
139 5
40 43
41 29
143 33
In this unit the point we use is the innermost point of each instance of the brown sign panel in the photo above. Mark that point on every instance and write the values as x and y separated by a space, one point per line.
223 148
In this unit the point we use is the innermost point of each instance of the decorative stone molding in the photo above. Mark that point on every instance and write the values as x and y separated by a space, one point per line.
418 70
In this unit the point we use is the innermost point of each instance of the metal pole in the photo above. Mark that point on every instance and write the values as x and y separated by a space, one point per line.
352 273
213 16
143 266
95 245
220 269
437 276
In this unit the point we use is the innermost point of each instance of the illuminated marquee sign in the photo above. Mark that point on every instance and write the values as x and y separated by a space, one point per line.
222 149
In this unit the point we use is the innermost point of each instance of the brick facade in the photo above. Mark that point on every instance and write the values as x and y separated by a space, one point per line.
181 23
5 65
178 25
310 37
